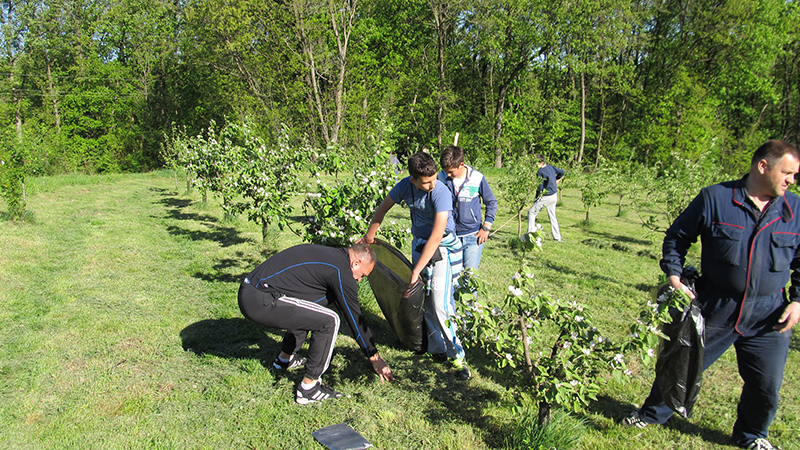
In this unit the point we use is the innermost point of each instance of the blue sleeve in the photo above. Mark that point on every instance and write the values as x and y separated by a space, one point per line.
542 176
681 235
489 200
400 190
559 173
442 198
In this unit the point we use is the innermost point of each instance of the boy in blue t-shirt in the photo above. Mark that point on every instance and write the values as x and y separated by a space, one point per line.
436 252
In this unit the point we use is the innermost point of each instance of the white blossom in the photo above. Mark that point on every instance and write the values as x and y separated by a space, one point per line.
619 358
578 318
651 353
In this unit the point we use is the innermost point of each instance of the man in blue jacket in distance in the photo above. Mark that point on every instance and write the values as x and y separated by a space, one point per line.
469 187
547 197
750 235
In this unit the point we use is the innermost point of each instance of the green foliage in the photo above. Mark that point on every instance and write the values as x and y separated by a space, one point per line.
662 191
594 189
561 432
340 214
12 179
237 165
13 156
517 187
562 372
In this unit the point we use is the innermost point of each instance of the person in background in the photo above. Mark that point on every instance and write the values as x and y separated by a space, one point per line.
469 188
546 197
750 235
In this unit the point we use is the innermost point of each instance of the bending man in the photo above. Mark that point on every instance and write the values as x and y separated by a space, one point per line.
291 291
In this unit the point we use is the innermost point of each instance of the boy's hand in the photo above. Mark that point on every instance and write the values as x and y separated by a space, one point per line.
413 288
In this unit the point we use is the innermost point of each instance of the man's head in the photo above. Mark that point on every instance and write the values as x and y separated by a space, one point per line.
362 260
422 169
452 162
773 168
539 160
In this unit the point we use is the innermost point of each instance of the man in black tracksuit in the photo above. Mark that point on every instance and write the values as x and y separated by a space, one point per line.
291 291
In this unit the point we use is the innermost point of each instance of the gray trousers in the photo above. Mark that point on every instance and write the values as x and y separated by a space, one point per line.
549 202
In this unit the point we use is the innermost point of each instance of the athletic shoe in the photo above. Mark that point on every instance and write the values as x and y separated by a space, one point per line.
761 444
462 371
317 393
295 362
634 421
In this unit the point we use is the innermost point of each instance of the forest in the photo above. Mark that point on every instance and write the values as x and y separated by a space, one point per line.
96 86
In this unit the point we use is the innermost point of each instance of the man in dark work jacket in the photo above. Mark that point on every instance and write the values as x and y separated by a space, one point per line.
291 291
750 234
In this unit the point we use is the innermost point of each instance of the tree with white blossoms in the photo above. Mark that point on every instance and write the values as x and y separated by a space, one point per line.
268 177
556 351
518 187
339 215
213 161
249 175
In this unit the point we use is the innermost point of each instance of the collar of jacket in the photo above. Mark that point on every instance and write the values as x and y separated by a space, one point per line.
740 198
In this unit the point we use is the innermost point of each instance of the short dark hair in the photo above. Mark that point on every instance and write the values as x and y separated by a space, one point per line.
364 252
421 165
773 151
538 158
452 156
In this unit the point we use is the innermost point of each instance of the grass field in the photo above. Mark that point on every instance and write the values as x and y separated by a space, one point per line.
119 328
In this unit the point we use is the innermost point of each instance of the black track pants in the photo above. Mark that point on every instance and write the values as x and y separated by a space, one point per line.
297 317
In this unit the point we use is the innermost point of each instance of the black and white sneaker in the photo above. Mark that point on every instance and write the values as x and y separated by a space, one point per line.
634 421
317 393
761 444
295 362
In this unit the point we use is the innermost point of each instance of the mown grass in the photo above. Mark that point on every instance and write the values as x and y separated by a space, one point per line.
119 329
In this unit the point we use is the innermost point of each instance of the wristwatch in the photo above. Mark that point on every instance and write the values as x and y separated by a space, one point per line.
485 228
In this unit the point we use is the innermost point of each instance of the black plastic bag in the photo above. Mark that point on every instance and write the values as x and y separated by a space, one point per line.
403 306
679 367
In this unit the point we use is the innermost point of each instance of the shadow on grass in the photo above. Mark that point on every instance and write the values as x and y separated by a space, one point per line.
794 344
232 339
232 270
616 411
618 238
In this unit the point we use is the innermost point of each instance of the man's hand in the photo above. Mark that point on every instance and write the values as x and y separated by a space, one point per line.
789 317
675 282
380 367
482 236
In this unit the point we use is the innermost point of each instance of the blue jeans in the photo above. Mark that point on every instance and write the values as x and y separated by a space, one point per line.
472 251
761 358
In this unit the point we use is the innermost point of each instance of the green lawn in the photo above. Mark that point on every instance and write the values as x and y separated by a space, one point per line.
119 328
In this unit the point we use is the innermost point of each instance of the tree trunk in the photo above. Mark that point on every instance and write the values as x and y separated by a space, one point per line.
544 413
53 96
602 121
583 118
342 33
440 16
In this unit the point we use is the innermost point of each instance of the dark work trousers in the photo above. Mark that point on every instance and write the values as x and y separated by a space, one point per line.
761 359
297 317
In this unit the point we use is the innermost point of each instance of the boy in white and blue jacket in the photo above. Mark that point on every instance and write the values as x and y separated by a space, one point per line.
468 188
